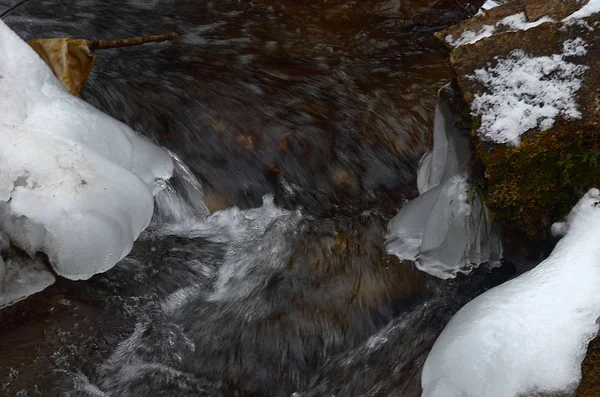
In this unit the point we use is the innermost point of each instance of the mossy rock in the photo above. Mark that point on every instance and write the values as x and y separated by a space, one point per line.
530 186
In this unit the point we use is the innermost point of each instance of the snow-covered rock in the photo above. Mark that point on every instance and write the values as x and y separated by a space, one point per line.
530 334
74 182
510 23
532 94
522 93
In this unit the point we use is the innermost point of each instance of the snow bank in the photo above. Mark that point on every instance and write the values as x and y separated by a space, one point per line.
523 92
530 334
447 228
512 22
74 182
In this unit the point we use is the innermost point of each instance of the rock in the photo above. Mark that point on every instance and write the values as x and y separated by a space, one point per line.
590 382
531 89
555 9
477 23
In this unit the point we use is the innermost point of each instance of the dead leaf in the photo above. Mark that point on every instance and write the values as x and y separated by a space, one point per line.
71 60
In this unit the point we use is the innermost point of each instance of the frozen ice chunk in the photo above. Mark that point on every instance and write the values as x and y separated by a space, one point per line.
74 182
447 228
21 277
444 231
406 230
530 334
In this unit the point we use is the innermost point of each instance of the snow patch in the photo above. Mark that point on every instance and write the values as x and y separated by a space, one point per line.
530 334
523 92
513 22
74 182
592 7
488 5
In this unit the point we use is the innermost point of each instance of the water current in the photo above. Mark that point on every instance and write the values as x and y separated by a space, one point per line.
296 128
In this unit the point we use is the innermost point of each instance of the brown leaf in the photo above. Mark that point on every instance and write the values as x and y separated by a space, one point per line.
71 60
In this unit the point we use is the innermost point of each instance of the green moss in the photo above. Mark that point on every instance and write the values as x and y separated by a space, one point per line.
530 186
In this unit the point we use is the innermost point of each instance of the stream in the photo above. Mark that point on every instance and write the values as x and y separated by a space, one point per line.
296 128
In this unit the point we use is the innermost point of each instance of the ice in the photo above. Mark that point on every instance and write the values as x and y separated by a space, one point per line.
75 183
451 151
21 277
523 92
530 334
513 23
447 228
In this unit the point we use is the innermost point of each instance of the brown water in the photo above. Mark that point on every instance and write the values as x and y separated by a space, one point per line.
327 106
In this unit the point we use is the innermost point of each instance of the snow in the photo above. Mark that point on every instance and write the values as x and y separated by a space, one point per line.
522 92
446 229
513 22
488 5
530 334
471 36
592 7
74 182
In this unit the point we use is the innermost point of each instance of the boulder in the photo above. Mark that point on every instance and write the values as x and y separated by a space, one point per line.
527 72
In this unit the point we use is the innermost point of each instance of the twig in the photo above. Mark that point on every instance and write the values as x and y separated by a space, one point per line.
102 44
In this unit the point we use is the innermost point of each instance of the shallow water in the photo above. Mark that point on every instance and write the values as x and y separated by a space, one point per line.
308 116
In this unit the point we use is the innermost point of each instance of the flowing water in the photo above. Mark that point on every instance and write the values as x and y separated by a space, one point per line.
296 128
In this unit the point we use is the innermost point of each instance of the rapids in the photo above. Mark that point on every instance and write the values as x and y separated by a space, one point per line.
296 128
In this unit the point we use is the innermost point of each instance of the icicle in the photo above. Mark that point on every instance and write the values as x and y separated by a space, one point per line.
447 228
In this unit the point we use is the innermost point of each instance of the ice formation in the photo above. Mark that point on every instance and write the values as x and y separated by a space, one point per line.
22 277
523 92
74 182
530 334
447 228
512 22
